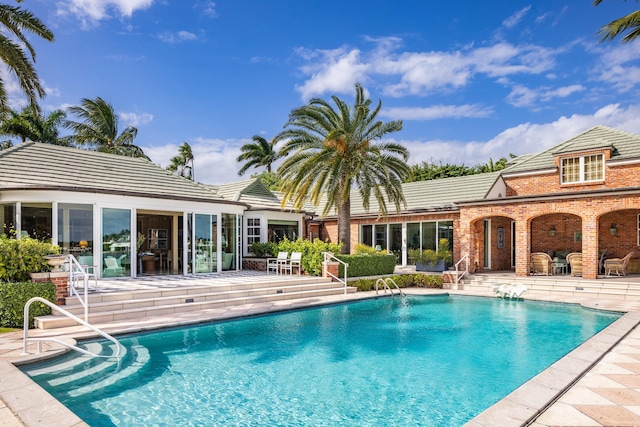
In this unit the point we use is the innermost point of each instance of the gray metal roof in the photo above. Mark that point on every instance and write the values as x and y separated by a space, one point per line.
33 165
625 146
432 195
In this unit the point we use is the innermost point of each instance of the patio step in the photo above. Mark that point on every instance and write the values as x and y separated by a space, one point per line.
119 306
564 285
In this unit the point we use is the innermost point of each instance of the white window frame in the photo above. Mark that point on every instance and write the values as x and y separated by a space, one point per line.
254 232
582 171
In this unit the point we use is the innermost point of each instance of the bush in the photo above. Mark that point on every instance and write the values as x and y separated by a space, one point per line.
403 281
368 265
362 249
264 249
312 252
13 297
20 257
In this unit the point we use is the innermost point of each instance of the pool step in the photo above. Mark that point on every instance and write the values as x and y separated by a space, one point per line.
105 307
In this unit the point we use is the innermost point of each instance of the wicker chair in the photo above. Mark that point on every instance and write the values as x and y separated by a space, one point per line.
618 266
575 262
540 263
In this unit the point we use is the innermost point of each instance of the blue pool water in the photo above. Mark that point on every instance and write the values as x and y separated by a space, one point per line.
430 361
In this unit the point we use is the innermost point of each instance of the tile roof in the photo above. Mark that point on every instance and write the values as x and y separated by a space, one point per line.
33 165
625 146
251 191
433 195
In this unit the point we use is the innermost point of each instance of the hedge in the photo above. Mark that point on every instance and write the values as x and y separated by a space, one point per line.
403 281
13 297
362 265
21 257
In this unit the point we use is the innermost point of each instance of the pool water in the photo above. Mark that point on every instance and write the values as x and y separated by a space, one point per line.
389 361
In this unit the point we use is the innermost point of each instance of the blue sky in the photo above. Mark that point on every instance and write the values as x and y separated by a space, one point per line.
471 80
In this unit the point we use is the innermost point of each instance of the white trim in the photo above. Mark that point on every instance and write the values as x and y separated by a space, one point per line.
613 163
529 173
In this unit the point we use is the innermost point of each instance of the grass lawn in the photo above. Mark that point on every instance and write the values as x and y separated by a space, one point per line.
7 330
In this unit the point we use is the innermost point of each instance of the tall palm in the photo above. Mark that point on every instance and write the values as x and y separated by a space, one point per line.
182 164
98 129
333 151
29 125
614 28
14 21
259 153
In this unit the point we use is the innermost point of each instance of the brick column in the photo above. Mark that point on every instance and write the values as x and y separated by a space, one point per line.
523 247
332 267
590 258
60 279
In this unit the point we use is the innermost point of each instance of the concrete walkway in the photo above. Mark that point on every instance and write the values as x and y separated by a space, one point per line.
596 385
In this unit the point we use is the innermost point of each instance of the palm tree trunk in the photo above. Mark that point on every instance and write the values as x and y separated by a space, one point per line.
344 225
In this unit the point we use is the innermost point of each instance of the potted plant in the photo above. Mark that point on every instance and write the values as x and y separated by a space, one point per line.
430 260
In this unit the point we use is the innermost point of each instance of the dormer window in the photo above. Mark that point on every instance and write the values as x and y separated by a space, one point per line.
582 169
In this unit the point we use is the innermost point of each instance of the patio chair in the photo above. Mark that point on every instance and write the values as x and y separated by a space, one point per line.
294 262
90 269
111 267
618 266
276 263
540 263
575 262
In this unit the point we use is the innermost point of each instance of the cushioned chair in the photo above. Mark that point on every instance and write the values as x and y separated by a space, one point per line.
90 270
618 266
540 263
575 262
111 267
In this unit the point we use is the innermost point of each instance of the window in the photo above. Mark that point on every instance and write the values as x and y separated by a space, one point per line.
253 231
366 235
583 169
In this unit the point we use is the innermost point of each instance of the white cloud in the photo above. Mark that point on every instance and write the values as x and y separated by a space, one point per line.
523 139
514 19
613 67
177 37
436 112
135 119
522 96
93 11
208 8
417 73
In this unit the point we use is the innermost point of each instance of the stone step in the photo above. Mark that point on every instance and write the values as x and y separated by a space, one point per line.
51 321
176 298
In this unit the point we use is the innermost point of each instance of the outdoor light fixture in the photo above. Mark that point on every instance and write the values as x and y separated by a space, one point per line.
552 230
613 229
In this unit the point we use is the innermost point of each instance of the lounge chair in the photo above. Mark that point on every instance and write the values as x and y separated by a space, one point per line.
540 263
111 267
618 266
575 262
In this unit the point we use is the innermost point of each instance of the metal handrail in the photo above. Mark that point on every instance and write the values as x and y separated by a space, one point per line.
26 338
386 286
465 258
329 256
77 270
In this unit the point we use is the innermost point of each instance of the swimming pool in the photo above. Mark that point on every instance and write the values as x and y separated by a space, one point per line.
390 361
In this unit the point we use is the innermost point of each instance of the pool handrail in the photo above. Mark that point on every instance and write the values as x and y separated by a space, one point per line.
78 270
26 339
386 286
459 276
328 256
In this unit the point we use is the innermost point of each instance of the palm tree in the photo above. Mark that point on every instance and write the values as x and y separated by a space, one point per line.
334 151
13 22
183 162
259 153
614 28
99 129
29 125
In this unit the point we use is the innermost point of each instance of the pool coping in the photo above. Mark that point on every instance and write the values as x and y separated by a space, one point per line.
31 405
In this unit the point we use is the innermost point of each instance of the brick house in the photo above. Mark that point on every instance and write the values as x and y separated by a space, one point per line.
582 195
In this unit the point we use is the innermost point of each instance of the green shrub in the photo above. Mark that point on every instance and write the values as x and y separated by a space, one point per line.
20 257
403 281
13 297
312 252
264 249
367 265
362 249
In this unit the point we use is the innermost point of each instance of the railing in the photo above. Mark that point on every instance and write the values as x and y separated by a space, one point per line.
26 341
328 256
77 272
464 258
386 286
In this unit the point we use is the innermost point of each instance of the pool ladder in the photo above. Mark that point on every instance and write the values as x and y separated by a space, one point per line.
385 286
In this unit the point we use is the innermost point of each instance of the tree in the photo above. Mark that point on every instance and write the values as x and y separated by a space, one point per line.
98 129
269 179
614 28
182 164
14 21
259 153
426 171
334 151
29 125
